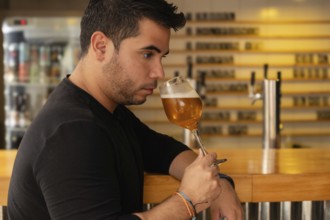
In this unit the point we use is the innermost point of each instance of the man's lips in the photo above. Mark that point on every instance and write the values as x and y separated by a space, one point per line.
150 88
150 91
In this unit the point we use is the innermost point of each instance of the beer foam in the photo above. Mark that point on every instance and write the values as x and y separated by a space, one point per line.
190 94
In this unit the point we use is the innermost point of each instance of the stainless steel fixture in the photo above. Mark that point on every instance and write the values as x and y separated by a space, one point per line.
271 98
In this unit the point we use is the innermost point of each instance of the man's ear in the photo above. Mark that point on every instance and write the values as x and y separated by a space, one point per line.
101 45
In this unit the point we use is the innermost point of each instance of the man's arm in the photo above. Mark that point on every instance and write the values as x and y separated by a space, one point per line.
199 181
180 162
183 160
227 204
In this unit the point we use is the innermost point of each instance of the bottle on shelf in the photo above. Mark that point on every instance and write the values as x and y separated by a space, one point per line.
13 112
13 62
24 62
12 55
34 64
24 113
44 63
19 109
56 52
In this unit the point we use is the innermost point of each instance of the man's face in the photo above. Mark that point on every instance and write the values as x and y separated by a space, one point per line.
132 72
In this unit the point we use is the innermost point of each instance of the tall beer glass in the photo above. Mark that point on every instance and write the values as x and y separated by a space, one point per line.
182 105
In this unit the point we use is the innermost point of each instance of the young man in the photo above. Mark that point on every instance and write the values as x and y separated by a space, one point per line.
85 154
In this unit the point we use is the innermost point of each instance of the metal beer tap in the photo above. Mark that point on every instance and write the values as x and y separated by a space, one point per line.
270 96
252 90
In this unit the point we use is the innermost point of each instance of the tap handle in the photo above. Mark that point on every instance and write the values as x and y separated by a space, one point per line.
252 93
279 83
278 102
189 68
279 76
266 71
253 78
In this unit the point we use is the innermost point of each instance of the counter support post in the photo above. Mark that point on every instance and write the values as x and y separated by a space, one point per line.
326 207
286 210
264 211
246 210
306 210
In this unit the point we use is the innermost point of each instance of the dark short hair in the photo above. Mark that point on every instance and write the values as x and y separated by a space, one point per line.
119 19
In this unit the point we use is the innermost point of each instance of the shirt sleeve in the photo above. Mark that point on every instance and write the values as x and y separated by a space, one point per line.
158 149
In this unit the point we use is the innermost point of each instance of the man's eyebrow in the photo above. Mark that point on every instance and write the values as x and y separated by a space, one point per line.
152 47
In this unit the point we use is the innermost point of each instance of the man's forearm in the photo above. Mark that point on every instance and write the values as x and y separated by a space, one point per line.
172 208
180 162
228 178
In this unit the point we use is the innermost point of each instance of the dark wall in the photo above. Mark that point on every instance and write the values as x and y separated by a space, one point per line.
43 5
4 4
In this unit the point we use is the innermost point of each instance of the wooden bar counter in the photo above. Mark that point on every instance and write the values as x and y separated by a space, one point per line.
260 175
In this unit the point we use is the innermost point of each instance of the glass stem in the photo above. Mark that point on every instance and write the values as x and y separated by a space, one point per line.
197 136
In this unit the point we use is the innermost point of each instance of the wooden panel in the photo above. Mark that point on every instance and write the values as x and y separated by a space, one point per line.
159 187
7 158
291 187
4 184
295 175
243 187
274 161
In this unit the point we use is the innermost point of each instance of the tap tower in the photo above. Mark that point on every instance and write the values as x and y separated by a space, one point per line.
271 98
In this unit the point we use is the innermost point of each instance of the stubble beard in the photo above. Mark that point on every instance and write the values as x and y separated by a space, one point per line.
119 89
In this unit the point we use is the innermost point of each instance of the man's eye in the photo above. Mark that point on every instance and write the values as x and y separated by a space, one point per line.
147 55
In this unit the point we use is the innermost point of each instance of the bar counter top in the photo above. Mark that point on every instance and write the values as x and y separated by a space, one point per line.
272 175
260 175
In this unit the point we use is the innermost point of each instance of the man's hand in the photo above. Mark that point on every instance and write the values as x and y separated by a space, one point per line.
201 182
227 204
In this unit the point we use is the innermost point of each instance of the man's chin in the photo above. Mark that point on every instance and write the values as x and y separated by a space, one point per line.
138 101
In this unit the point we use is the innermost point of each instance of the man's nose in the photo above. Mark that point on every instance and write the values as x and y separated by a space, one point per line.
158 71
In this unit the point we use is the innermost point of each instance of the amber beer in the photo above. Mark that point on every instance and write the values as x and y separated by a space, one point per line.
183 111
